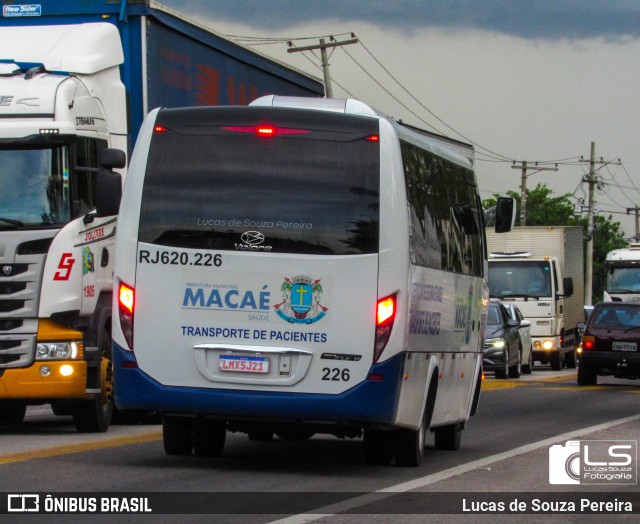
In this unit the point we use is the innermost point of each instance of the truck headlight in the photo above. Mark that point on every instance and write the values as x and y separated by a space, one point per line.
548 344
58 350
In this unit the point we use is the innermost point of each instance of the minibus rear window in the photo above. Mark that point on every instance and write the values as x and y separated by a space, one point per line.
310 185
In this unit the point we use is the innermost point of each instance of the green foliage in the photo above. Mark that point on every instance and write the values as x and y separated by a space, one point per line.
543 209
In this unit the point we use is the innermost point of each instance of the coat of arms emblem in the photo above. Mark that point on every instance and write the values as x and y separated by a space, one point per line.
301 300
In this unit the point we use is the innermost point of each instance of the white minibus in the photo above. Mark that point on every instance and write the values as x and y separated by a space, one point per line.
300 266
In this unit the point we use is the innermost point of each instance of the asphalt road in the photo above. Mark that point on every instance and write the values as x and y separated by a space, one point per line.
505 450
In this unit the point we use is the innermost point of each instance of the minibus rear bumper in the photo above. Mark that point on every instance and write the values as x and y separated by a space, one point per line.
371 401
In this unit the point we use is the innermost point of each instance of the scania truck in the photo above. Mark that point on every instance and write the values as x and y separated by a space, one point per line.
541 270
76 79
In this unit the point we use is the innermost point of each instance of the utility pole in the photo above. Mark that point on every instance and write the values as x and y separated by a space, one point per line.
636 212
591 180
323 45
523 185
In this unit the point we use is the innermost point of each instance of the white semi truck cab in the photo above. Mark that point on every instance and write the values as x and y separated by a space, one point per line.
62 105
622 275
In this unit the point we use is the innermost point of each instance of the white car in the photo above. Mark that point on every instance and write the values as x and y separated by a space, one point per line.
525 336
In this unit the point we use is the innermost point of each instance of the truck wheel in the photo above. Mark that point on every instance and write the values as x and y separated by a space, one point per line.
209 437
570 359
12 414
587 376
528 367
377 447
516 370
556 361
177 436
94 416
448 437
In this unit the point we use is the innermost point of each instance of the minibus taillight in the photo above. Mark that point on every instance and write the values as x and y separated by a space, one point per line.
385 315
126 307
266 130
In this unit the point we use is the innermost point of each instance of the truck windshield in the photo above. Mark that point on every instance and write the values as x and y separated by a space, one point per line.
519 278
35 187
623 280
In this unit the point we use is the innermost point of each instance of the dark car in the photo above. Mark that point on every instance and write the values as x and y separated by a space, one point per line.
610 343
525 336
502 346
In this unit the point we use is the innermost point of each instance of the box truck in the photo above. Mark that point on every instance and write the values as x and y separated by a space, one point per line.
76 79
542 270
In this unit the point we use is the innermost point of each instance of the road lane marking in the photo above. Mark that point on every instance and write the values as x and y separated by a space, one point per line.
497 384
21 456
376 496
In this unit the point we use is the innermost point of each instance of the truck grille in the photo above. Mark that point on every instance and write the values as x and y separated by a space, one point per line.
20 283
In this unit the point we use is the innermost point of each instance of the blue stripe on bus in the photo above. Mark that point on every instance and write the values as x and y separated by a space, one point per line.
368 401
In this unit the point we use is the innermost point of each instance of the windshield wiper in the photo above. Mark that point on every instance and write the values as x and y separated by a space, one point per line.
12 221
630 328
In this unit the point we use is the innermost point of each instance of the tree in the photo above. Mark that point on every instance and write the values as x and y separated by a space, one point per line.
542 208
545 210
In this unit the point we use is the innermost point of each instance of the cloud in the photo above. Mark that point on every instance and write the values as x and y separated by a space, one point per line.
532 19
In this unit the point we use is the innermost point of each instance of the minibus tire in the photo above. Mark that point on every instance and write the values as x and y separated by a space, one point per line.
409 446
177 436
209 437
378 450
448 437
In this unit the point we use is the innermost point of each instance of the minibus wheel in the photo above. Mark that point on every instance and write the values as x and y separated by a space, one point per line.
378 450
409 446
177 436
448 437
209 437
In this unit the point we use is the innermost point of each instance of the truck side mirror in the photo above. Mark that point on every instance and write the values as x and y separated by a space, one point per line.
567 283
109 183
111 158
505 214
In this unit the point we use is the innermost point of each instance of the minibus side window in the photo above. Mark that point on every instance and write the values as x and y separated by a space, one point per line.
438 192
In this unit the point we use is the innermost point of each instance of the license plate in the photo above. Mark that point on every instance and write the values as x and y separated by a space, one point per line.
624 346
243 364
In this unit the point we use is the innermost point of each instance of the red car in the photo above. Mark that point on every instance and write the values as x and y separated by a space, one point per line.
610 343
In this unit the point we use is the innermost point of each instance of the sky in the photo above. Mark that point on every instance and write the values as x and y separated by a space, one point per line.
535 81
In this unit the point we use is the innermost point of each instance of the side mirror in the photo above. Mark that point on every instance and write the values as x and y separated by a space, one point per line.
567 283
111 158
513 323
505 214
109 183
525 323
